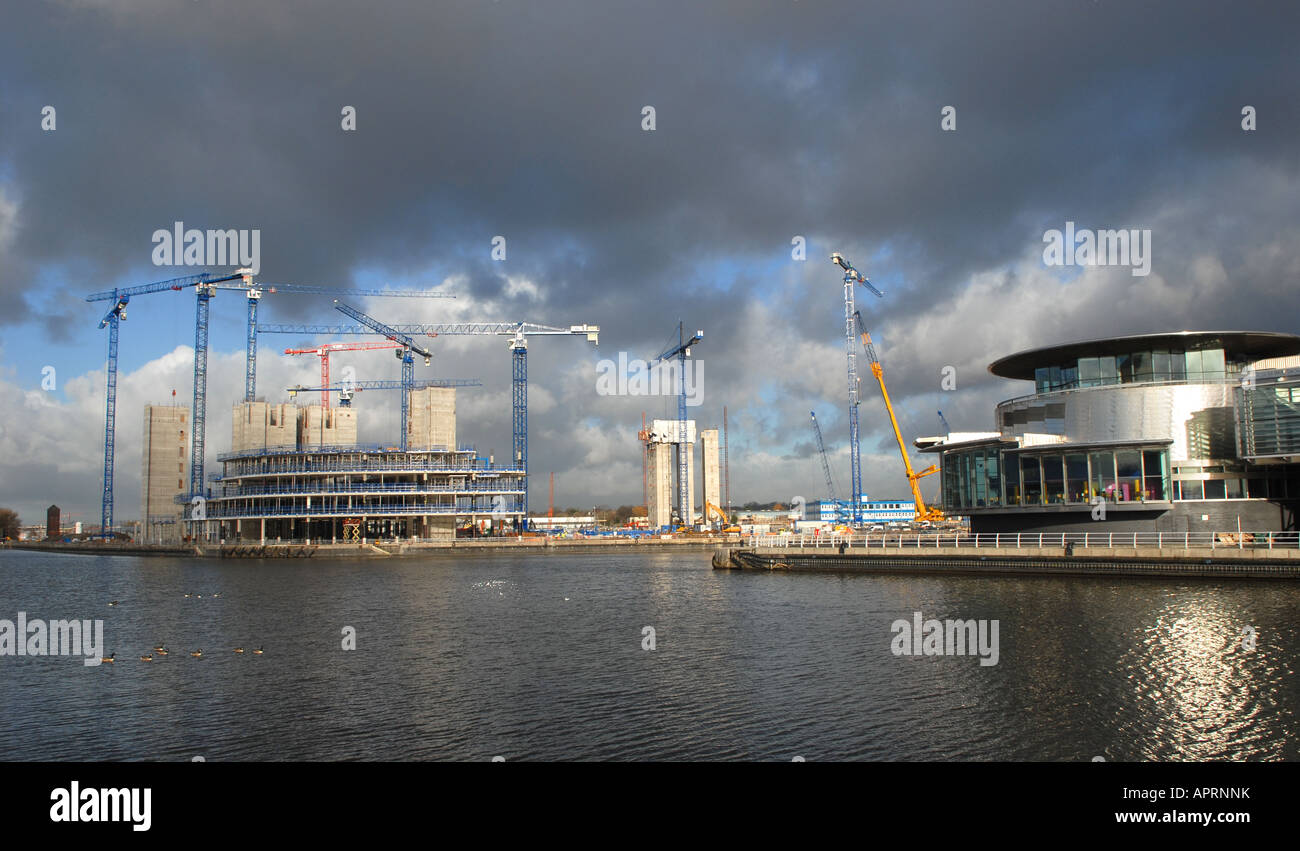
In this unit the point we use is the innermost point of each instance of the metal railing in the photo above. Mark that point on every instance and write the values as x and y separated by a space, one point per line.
1036 540
326 490
238 470
222 511
1215 379
338 449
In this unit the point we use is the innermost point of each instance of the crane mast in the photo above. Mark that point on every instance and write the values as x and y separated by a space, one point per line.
519 332
923 512
324 350
681 351
117 314
853 276
821 449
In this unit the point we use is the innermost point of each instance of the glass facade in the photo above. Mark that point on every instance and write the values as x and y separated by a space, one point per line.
972 478
1147 366
1225 481
1269 415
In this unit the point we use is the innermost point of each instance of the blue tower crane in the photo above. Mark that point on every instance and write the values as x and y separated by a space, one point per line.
517 331
519 411
403 354
821 449
853 276
345 391
255 291
120 297
947 429
681 351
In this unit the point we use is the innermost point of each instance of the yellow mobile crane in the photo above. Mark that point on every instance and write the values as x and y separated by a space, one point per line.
923 512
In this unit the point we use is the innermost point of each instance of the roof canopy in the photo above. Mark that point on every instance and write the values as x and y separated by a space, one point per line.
1237 345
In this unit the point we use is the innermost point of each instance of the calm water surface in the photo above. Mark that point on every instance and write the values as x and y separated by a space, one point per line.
540 657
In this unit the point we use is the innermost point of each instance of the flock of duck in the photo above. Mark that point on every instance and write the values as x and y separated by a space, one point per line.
161 650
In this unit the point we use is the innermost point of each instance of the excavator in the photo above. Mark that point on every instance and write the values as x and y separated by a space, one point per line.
724 524
924 512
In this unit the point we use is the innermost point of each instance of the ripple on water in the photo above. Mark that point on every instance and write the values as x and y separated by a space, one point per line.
540 657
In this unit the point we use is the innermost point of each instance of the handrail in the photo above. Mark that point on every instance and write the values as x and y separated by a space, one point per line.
1224 379
324 490
1166 542
335 449
230 512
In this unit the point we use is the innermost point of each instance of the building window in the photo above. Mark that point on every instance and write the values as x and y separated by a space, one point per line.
1103 475
1142 366
1107 371
1124 366
1090 371
1012 484
1160 365
978 480
1212 366
1076 477
1191 490
1031 480
1128 474
1177 366
1155 474
1053 478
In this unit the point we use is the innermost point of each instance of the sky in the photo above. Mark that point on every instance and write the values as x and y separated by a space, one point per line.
776 123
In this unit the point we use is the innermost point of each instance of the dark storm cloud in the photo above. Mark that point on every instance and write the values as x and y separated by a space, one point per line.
773 119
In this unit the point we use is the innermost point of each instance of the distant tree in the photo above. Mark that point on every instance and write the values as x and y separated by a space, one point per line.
621 515
9 523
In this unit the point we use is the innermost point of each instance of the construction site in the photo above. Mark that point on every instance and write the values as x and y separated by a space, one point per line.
295 471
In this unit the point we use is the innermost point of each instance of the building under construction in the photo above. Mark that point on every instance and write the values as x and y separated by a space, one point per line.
662 443
298 474
162 478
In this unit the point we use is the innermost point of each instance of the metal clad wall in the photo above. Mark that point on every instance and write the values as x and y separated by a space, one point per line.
1127 412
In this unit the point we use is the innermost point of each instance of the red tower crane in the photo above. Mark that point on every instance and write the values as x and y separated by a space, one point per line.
324 350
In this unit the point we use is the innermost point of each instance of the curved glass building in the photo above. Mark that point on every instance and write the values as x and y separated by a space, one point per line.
1182 431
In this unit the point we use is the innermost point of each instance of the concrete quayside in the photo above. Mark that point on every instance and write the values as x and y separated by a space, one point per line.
1222 555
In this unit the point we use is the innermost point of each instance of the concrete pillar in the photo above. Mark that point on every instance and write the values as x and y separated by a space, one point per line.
711 468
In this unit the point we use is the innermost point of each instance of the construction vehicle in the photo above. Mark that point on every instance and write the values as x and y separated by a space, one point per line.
724 524
924 512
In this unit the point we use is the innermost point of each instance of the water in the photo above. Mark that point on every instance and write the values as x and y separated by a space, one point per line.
540 657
